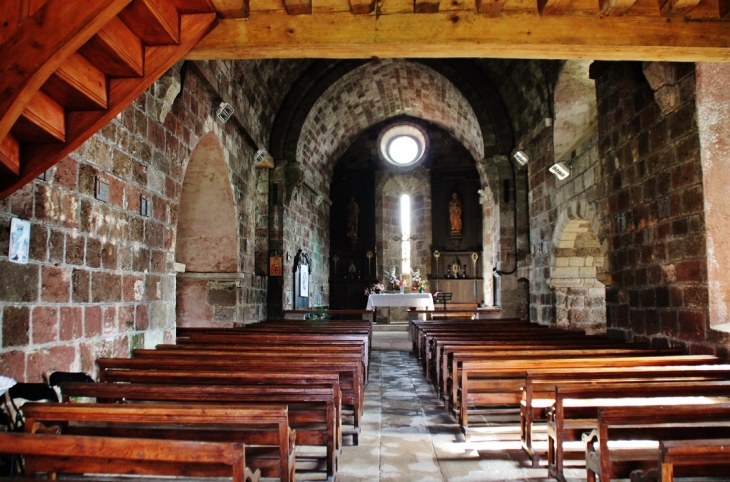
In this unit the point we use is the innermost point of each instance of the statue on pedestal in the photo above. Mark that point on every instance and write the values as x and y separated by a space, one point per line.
455 215
353 213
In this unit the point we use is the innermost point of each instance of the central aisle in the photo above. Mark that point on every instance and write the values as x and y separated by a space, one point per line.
407 435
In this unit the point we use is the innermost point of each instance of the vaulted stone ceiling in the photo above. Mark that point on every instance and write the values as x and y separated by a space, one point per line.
484 104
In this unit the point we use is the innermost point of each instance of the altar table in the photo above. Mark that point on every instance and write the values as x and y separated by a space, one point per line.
421 301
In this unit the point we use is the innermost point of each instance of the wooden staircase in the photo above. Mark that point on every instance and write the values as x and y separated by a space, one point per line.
70 66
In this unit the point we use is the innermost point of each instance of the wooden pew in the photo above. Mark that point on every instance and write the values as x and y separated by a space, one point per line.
497 383
538 392
261 377
606 459
334 314
264 429
692 453
312 413
575 406
70 454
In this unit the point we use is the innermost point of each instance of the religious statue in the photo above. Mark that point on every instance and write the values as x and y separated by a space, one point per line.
353 213
455 215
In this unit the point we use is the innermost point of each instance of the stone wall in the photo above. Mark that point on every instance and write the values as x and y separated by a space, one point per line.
101 278
652 183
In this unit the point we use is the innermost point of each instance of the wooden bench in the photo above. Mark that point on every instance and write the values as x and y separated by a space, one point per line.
264 429
695 455
333 314
575 407
538 392
146 372
495 384
607 459
443 364
312 413
70 454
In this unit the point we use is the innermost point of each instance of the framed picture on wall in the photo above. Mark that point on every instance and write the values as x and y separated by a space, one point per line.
275 266
19 241
303 282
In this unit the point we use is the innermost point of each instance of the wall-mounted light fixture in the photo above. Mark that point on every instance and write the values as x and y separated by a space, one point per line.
521 157
318 200
560 170
223 111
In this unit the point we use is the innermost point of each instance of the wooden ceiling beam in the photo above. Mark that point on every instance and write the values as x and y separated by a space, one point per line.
490 7
364 7
43 120
35 51
298 7
615 8
724 6
10 154
37 158
676 8
155 22
115 50
553 7
465 34
77 85
232 8
426 6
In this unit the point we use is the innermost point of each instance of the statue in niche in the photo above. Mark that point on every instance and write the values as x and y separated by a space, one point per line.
353 214
455 215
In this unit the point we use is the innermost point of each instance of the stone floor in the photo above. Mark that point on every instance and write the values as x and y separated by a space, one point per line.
408 436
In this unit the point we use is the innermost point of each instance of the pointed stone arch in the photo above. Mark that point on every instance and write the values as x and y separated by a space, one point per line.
576 265
207 238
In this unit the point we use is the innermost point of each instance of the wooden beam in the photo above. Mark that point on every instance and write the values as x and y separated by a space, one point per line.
115 50
364 7
724 6
34 52
490 7
77 85
468 34
153 21
298 7
676 8
553 7
81 125
42 120
232 8
426 6
615 7
194 6
10 154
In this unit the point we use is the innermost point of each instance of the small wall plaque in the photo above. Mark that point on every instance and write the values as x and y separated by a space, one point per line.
102 189
19 241
145 207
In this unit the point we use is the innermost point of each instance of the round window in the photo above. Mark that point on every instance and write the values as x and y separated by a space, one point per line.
403 145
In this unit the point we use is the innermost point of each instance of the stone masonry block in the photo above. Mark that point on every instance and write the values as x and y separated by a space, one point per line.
16 326
19 282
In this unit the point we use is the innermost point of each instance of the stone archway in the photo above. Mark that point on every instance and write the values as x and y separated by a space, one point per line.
207 240
580 298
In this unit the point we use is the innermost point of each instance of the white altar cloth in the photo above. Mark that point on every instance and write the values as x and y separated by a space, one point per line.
422 301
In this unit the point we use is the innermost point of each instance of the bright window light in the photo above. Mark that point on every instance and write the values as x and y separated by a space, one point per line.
403 150
405 229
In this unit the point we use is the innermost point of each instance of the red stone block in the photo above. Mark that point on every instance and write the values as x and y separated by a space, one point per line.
21 201
132 288
56 284
87 358
691 271
16 325
669 323
695 297
142 318
126 318
12 364
692 325
66 175
106 287
116 191
120 348
71 326
109 320
45 324
54 359
92 321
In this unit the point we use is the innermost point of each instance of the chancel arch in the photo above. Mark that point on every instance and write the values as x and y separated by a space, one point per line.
207 240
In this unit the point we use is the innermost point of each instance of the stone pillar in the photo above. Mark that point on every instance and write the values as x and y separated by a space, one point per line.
713 119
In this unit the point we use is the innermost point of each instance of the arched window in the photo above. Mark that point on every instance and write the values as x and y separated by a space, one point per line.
405 231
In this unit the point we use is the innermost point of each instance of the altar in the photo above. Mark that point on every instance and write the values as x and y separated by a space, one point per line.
421 301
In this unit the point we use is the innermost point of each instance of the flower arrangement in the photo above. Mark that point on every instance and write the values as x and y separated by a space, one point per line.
377 288
421 284
392 276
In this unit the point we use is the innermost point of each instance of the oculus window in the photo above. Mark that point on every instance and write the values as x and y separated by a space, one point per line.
403 145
